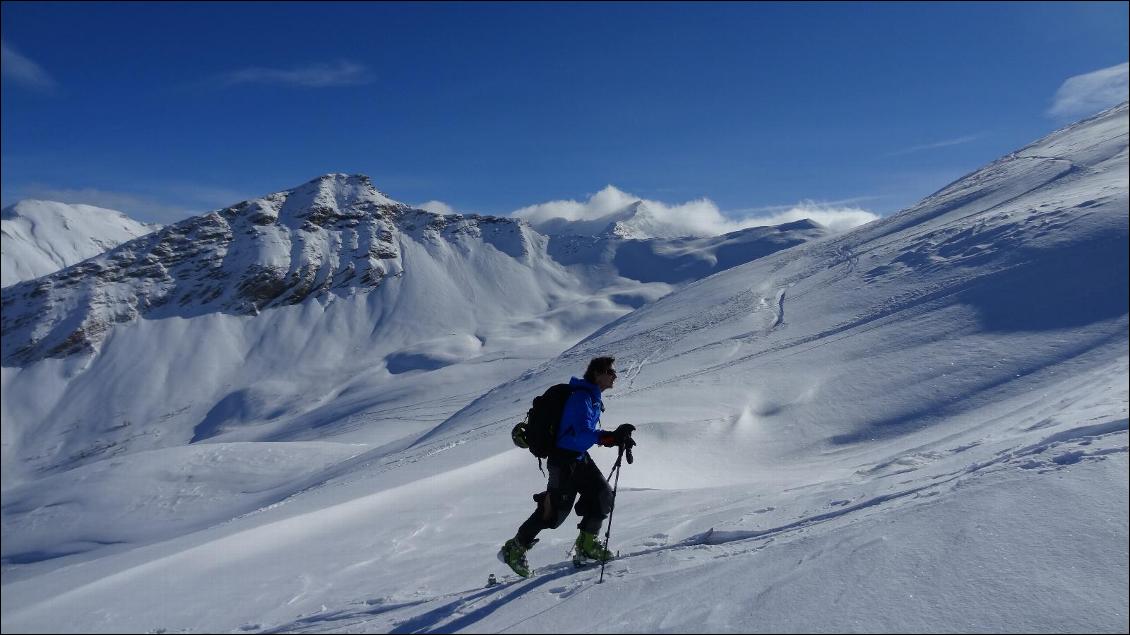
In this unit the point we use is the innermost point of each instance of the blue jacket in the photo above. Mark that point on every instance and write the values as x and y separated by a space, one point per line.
578 430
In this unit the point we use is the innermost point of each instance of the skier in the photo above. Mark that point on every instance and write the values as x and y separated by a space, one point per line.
572 472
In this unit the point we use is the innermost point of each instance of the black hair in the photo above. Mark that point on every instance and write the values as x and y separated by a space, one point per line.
598 365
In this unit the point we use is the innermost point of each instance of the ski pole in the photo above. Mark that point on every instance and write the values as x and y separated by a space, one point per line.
608 532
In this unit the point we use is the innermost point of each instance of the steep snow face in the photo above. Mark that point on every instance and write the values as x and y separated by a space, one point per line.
41 237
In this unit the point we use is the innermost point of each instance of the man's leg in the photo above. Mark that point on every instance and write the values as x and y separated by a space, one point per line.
596 496
554 504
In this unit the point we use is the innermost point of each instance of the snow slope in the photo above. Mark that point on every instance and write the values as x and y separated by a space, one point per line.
325 312
919 425
40 237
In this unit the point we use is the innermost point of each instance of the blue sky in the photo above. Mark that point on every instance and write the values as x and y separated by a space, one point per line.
163 109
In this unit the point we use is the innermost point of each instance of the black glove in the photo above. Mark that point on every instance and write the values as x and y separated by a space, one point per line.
623 435
619 436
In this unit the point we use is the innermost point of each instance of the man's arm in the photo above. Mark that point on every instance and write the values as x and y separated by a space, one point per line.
579 423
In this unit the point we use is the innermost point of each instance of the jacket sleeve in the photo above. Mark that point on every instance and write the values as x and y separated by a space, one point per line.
579 422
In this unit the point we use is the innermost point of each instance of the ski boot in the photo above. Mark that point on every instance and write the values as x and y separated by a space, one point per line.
513 555
588 549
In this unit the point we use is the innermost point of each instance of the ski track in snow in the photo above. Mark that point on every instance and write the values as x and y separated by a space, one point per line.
457 611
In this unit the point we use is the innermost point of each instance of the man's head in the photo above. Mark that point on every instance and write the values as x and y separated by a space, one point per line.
601 373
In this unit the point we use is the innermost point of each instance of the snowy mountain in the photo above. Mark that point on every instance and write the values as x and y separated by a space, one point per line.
918 425
334 235
330 280
324 285
40 237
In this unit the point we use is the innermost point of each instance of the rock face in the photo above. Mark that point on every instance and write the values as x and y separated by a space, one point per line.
334 235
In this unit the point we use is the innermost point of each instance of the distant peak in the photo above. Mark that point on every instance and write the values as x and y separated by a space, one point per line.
802 224
351 179
339 181
40 208
342 189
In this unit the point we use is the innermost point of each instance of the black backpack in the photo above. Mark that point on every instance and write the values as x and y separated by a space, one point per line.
538 432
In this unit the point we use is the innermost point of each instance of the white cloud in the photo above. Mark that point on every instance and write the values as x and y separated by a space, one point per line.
1086 94
700 217
600 204
837 218
437 207
341 73
20 69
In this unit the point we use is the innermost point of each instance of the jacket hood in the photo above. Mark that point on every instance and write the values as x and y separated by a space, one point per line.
577 382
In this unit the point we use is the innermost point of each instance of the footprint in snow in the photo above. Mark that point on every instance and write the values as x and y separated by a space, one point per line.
565 591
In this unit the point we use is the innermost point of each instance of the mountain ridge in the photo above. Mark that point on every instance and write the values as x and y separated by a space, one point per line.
335 234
